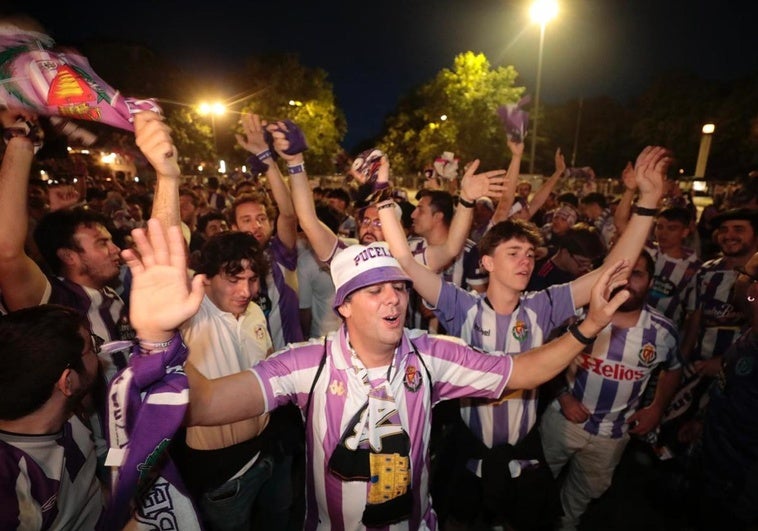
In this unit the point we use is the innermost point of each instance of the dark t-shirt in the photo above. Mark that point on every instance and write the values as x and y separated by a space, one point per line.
547 274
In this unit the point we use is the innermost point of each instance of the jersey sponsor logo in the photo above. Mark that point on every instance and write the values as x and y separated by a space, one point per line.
610 370
662 288
481 330
648 354
337 388
520 330
412 380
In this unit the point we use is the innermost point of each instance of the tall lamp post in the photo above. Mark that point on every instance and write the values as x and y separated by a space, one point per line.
214 109
542 12
705 148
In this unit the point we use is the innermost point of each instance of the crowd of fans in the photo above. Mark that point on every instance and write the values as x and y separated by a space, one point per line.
504 396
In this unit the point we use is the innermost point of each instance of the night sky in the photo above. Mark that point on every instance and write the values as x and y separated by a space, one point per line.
376 52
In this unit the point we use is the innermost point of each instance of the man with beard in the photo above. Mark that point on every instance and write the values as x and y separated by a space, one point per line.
588 426
713 324
48 363
511 320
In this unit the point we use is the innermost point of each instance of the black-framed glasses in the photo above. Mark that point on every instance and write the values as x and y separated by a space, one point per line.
582 262
741 270
376 222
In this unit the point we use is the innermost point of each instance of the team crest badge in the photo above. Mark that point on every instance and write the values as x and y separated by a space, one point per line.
744 366
412 380
259 333
647 354
337 388
520 330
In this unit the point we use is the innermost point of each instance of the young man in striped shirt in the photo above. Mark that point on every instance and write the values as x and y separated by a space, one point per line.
507 320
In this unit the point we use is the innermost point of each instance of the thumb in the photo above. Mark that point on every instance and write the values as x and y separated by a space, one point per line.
198 291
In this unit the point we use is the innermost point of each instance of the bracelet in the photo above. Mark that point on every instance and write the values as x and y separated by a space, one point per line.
263 155
148 347
388 204
573 328
466 204
297 168
642 211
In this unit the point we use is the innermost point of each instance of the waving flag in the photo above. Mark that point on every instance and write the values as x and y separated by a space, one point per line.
37 75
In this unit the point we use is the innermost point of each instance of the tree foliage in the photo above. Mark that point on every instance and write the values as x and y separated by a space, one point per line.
284 88
468 95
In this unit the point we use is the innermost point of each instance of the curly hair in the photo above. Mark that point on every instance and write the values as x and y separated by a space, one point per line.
225 252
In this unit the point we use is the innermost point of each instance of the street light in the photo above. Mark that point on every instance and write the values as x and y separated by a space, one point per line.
542 12
214 109
705 148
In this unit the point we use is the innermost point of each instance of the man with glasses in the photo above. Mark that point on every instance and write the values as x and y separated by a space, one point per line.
580 250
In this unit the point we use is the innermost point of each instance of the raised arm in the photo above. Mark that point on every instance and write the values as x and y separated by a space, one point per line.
162 298
539 365
22 282
624 208
541 195
153 137
321 237
509 191
254 142
426 282
649 169
473 186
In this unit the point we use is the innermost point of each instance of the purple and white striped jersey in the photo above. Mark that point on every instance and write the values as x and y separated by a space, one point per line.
722 323
610 376
471 317
456 370
673 282
465 271
278 298
49 481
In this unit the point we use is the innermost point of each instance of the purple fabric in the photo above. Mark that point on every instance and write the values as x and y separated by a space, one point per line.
515 119
293 134
256 165
37 75
145 427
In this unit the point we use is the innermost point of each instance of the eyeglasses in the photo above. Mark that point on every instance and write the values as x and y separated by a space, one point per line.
582 262
741 271
97 343
376 222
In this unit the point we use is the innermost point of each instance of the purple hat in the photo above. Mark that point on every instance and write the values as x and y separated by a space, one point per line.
359 266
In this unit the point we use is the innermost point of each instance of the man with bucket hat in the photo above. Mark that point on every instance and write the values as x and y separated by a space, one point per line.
366 391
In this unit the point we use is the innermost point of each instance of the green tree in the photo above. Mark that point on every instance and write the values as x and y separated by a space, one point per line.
285 88
468 95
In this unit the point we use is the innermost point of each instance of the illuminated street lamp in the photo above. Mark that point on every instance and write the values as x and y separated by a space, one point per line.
214 109
705 148
542 12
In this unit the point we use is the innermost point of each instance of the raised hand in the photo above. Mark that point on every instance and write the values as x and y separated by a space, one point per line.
628 177
605 297
560 162
253 139
489 183
63 196
650 172
153 137
162 297
517 148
